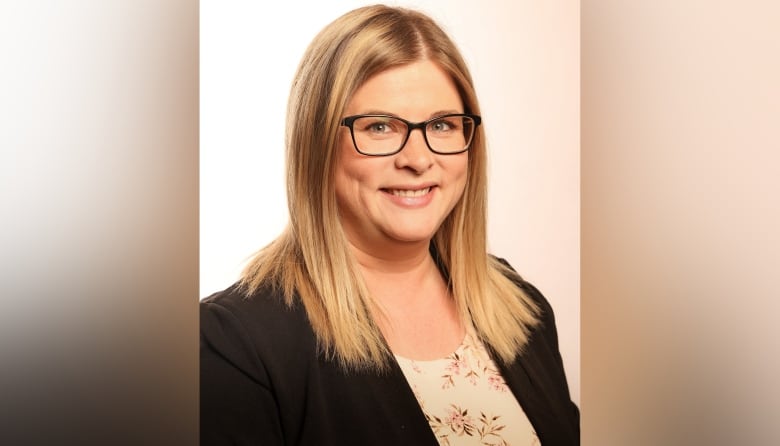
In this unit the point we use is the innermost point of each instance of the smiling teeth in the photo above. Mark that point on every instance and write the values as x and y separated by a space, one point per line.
410 193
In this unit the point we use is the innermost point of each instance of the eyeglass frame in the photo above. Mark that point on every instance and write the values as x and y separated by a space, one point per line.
349 121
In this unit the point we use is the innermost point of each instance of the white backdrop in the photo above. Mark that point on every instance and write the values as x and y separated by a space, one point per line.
524 57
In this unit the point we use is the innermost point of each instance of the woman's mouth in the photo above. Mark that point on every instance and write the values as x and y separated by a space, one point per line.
409 193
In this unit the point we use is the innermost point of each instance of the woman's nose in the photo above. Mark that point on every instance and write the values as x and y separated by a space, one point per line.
415 154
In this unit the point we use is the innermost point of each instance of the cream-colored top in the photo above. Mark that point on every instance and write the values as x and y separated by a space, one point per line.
465 399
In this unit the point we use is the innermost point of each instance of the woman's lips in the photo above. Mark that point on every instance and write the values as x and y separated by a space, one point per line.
410 197
409 193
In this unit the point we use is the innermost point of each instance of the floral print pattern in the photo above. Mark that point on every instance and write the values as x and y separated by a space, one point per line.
466 400
472 371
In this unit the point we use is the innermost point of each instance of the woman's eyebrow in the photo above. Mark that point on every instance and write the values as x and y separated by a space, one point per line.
430 116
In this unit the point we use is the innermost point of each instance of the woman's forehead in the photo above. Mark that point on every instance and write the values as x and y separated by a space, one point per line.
421 87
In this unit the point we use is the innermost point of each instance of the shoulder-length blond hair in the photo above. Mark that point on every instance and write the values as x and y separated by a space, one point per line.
311 261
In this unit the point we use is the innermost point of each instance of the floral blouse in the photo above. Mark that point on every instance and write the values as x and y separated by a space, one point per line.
465 399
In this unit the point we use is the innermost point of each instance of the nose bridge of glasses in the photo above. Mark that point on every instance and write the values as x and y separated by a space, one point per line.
411 126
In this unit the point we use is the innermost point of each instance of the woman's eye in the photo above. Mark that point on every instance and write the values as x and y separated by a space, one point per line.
442 126
379 127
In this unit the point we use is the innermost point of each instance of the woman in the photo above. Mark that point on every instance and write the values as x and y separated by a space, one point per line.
378 317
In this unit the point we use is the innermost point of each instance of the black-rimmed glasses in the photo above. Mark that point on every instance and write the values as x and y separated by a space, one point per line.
383 135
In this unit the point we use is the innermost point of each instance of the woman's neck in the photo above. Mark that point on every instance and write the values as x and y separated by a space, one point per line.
395 270
414 308
397 259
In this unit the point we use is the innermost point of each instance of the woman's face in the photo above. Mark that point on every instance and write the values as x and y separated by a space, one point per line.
402 198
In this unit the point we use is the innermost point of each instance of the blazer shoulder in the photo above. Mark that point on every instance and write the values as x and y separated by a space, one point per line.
262 310
528 288
546 329
255 332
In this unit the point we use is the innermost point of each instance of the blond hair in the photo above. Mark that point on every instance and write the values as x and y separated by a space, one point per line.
311 260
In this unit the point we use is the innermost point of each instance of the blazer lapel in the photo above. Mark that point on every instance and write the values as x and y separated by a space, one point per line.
533 390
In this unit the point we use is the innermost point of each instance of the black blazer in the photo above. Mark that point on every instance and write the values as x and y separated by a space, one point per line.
262 382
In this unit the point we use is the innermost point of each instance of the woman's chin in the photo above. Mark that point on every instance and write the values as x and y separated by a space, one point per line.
411 236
